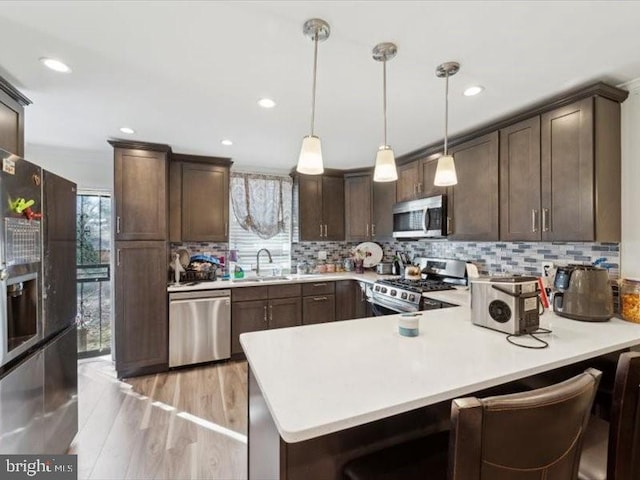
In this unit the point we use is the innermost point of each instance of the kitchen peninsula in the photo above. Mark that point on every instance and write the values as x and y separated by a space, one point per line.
324 394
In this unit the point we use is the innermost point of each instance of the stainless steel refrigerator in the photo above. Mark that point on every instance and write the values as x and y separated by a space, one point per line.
38 343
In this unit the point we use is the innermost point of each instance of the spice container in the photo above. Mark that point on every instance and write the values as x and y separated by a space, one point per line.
322 268
630 300
331 267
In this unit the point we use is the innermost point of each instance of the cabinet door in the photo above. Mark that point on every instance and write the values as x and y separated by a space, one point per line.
384 196
408 180
285 312
310 207
357 196
247 317
318 309
141 321
349 300
11 125
474 200
428 174
567 173
520 181
140 185
333 207
205 202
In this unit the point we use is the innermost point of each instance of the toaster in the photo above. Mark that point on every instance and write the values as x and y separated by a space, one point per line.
506 304
384 268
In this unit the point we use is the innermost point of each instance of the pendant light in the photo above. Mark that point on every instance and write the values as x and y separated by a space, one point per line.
310 160
385 169
446 169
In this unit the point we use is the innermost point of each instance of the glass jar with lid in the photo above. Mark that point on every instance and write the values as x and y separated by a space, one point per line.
630 299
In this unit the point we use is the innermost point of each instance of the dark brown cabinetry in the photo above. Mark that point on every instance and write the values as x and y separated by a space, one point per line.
358 207
580 171
140 188
560 174
520 180
473 203
12 104
318 309
350 300
321 207
199 198
262 308
141 319
368 208
408 181
427 176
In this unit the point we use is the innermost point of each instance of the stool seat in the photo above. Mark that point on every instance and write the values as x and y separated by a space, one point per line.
407 461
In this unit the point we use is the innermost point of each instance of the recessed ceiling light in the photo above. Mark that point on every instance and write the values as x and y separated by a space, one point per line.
473 90
226 142
127 130
266 103
55 65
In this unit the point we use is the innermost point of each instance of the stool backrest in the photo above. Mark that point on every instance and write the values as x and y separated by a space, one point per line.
530 435
623 458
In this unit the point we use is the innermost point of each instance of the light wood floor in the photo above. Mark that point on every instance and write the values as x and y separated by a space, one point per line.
185 424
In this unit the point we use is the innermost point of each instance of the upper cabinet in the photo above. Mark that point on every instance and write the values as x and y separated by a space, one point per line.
321 207
12 104
560 174
473 202
141 190
408 181
199 199
368 208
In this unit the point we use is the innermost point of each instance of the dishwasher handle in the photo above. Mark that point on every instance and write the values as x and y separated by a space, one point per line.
199 300
198 294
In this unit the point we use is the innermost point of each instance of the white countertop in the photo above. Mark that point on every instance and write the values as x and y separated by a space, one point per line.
368 277
319 379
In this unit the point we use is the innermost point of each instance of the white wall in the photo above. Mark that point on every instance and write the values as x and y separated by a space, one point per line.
630 247
90 170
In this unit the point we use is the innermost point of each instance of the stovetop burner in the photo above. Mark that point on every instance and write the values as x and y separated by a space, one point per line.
417 286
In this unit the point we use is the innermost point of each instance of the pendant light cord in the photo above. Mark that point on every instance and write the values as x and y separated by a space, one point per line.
446 112
313 89
384 98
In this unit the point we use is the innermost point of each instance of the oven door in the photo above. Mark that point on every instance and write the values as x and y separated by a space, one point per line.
381 310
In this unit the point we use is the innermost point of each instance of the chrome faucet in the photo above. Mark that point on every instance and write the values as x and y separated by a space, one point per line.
258 259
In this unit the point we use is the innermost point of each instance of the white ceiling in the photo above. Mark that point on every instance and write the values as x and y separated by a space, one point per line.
189 73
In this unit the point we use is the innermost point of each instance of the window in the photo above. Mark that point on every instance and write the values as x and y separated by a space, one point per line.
260 217
93 252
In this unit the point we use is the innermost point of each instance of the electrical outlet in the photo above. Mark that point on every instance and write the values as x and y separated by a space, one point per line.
546 266
322 255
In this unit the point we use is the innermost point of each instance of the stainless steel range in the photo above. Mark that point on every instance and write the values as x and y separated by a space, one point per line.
401 295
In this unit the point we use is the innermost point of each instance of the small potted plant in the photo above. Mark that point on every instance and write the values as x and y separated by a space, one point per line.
359 255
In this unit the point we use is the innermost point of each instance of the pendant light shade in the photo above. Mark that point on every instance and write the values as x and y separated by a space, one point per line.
385 168
310 160
446 170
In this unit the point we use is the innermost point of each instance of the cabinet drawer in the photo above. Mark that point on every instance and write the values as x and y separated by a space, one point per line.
318 288
284 291
318 309
243 294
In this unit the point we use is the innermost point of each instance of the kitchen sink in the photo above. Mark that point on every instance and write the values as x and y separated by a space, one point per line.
262 279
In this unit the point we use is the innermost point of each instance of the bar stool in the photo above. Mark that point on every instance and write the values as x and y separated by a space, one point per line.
530 435
611 450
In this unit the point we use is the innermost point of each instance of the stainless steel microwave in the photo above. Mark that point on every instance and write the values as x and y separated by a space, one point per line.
425 217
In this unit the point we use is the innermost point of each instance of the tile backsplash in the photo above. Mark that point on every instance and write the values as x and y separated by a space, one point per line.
490 257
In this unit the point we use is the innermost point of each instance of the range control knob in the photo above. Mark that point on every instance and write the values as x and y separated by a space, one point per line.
412 298
383 290
377 288
404 295
393 293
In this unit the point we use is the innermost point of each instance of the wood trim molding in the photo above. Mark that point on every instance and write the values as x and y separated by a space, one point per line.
13 92
136 145
328 172
598 89
183 157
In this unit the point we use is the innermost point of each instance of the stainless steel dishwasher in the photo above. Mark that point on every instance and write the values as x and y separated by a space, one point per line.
199 326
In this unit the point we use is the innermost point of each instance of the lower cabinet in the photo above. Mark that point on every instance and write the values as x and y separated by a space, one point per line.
262 308
247 317
318 309
141 319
